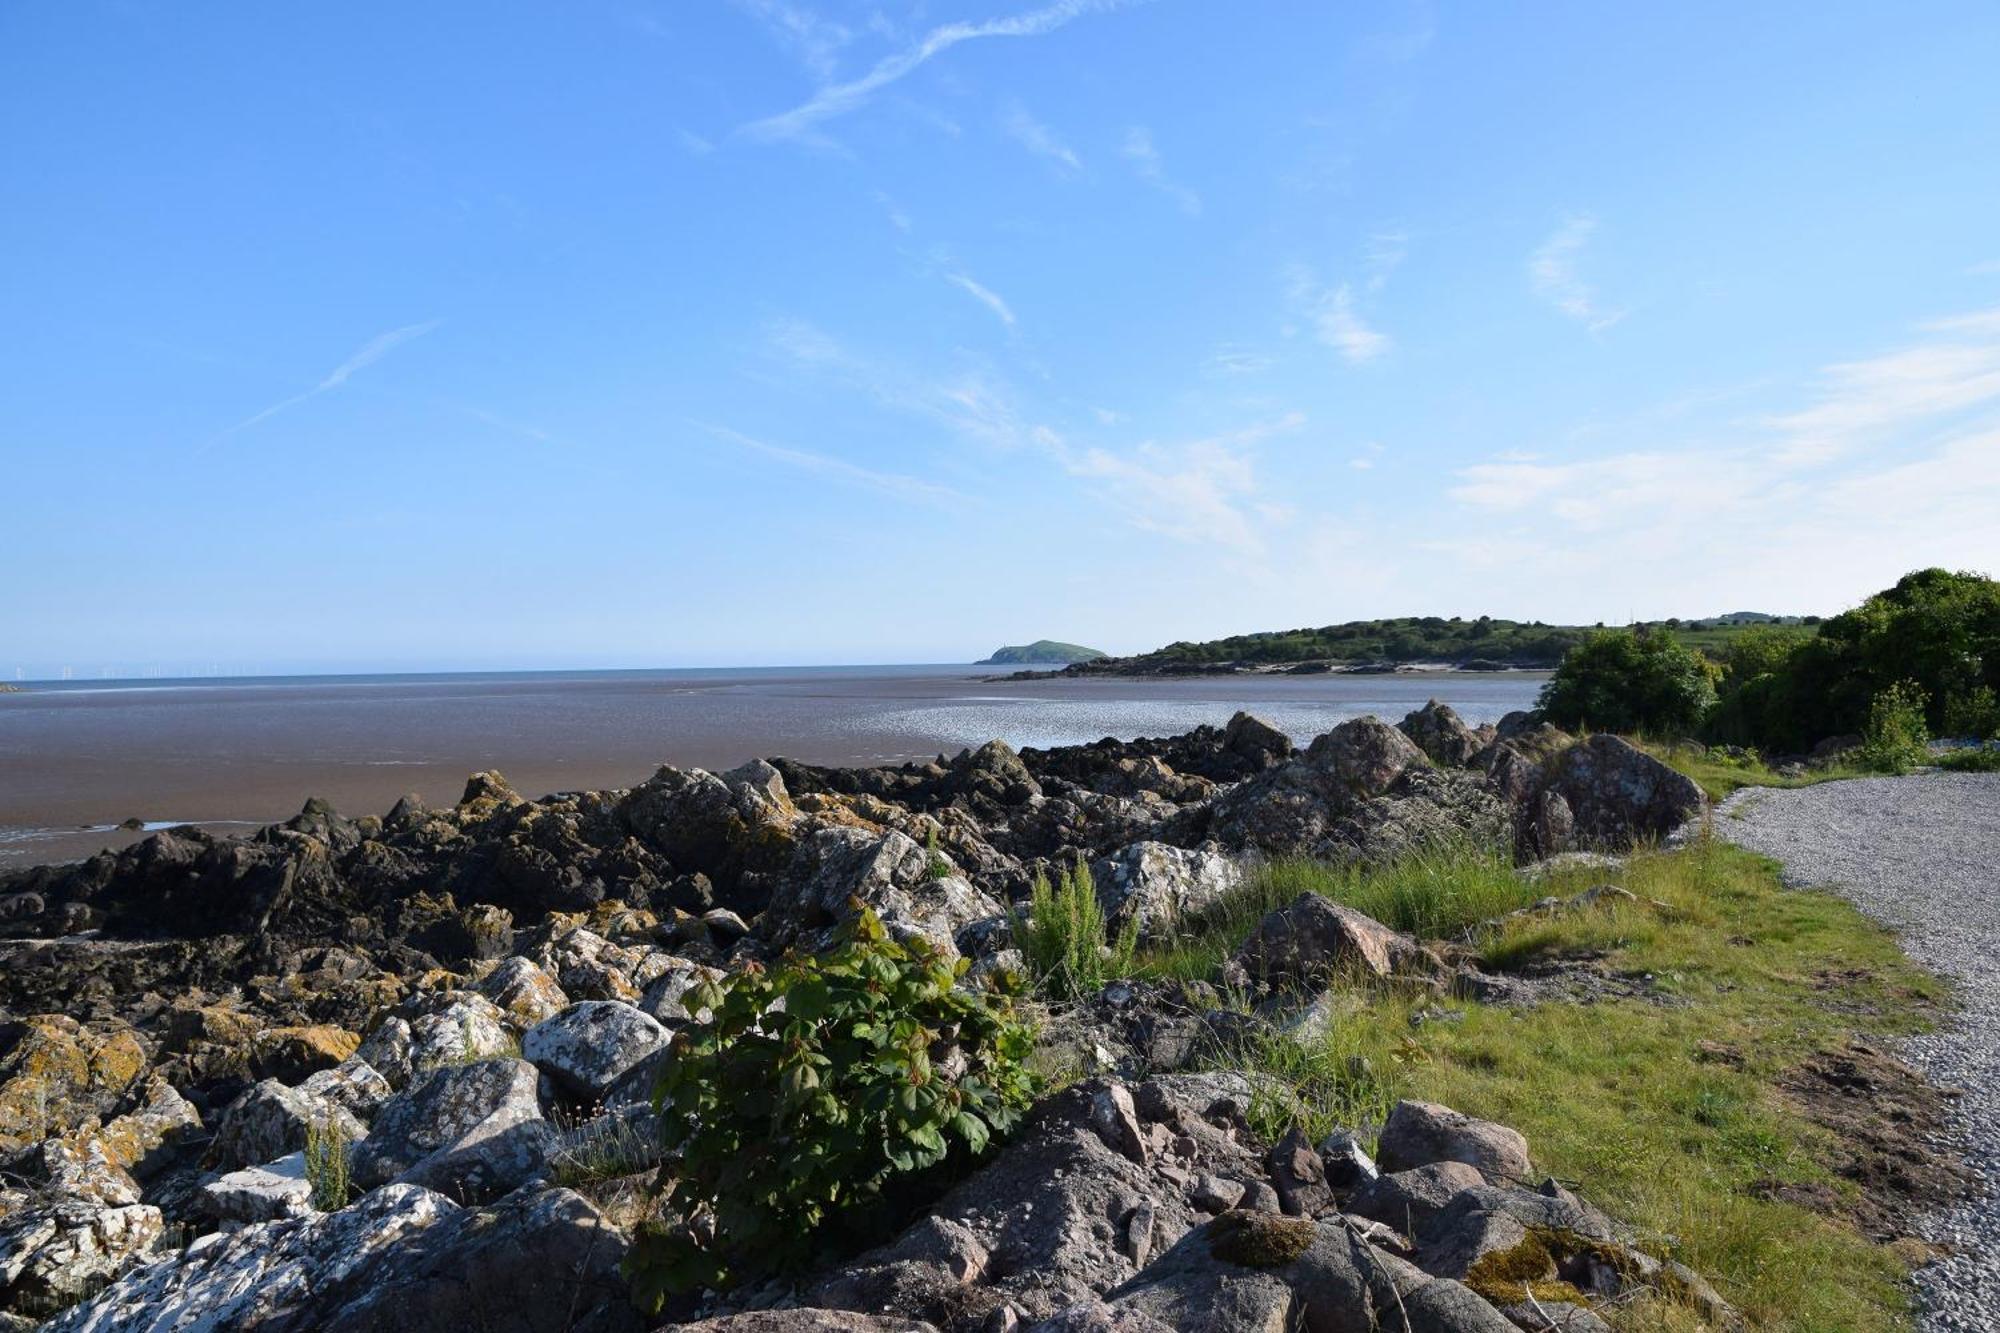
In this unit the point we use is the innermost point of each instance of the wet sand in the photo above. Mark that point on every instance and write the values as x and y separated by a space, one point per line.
78 758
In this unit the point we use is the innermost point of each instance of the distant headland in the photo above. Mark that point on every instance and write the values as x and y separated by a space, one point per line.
1042 652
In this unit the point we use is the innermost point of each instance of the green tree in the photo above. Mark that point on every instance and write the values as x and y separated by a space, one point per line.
1631 681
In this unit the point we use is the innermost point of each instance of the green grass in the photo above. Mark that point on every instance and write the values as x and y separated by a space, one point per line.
1436 894
1984 759
1626 1098
1720 776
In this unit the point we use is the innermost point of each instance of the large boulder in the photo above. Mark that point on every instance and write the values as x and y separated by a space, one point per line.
400 1258
1618 796
739 830
470 1131
1419 1133
916 893
1363 756
56 1074
270 1120
1439 732
523 992
1313 941
1162 885
590 1046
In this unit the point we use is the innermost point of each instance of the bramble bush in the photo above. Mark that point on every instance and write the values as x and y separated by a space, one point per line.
816 1088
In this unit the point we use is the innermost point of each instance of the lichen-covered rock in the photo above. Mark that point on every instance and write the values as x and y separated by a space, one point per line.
1419 1133
666 994
1161 884
840 867
586 965
270 1120
56 1073
260 1193
1313 941
523 992
1408 1200
290 1053
1618 796
467 1027
1294 808
58 1249
1439 732
801 1321
590 1046
470 1131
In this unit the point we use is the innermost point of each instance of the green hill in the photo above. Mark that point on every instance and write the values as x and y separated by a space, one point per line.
1042 652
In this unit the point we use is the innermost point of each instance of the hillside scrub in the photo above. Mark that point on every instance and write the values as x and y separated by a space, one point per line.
1631 681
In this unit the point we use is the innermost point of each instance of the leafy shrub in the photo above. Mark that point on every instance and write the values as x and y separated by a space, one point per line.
326 1164
1979 759
812 1088
1631 681
1066 939
1896 739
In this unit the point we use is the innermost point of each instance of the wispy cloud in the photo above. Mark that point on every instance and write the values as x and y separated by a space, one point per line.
1985 268
1342 329
1335 320
1231 360
825 465
837 99
986 296
1038 138
1552 271
1385 253
1203 492
1365 459
367 355
818 42
1892 462
1140 151
966 402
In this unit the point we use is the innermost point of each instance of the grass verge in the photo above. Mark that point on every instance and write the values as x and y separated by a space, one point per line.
1666 1112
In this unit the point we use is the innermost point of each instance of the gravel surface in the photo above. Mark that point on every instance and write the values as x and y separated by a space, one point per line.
1922 854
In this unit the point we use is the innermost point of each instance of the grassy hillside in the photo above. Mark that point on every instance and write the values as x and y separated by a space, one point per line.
1432 639
1042 652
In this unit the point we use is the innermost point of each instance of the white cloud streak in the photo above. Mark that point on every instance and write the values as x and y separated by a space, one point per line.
1038 138
1552 272
367 355
817 41
1341 327
895 484
986 296
1138 149
837 99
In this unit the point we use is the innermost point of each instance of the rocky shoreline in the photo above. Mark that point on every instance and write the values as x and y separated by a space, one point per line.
473 1001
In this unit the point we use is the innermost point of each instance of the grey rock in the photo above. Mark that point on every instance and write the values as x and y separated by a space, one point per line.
260 1193
588 1047
1418 1133
1312 941
468 1131
889 873
1161 885
270 1120
1439 732
1408 1200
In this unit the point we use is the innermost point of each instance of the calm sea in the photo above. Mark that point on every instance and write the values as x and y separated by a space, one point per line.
77 757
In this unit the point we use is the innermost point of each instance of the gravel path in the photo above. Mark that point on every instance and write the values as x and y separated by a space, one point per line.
1922 854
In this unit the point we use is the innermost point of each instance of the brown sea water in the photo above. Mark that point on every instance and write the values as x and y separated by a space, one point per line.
76 758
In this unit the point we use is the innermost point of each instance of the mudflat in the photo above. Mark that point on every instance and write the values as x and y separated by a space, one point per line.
78 758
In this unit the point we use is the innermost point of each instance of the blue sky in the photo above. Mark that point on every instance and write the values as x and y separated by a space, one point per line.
776 331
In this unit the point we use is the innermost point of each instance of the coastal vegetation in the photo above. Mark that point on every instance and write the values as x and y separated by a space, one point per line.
817 1083
1917 660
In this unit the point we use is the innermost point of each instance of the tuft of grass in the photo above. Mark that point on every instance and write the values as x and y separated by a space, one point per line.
1438 893
1719 775
1972 759
1625 1097
595 1147
326 1164
1070 949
